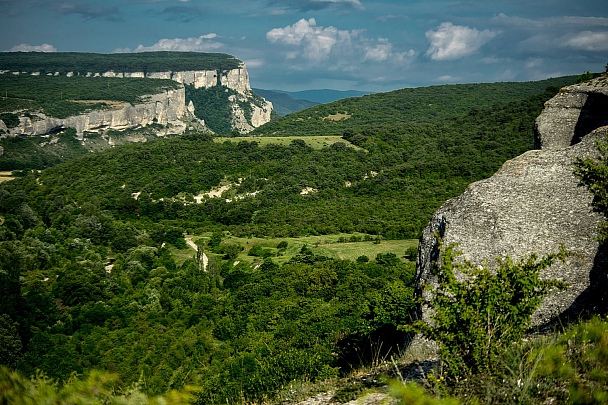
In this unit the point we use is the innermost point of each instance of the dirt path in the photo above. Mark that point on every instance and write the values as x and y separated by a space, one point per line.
191 243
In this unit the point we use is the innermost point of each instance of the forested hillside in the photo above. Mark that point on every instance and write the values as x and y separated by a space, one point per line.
83 63
96 272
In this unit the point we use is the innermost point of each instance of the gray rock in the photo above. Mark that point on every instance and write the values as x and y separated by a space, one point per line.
533 204
573 113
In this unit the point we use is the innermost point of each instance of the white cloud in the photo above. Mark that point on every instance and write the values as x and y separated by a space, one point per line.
316 44
33 48
589 41
354 3
450 42
383 51
254 63
446 79
204 43
534 63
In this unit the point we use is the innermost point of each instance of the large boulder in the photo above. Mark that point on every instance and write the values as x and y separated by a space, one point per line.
571 114
533 204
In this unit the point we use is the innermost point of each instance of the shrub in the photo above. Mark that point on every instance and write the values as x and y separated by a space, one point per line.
593 173
579 361
476 319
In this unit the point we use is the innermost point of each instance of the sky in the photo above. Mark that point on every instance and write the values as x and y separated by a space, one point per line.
363 45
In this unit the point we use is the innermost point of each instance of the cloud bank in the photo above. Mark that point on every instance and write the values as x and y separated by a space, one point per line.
204 43
33 48
315 44
449 42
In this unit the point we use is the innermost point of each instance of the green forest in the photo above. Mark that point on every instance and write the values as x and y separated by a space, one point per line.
108 262
81 63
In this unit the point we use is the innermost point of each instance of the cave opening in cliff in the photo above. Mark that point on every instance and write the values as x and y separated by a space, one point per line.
56 130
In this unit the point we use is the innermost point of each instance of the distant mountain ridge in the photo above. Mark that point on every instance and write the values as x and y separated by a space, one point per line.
283 103
322 96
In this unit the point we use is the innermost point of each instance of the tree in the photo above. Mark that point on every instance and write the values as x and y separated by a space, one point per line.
10 342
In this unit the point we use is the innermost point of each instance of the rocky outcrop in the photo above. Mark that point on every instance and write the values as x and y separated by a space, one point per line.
166 109
571 114
258 113
534 204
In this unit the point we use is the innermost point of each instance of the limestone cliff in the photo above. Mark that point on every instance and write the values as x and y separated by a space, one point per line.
166 108
234 79
534 204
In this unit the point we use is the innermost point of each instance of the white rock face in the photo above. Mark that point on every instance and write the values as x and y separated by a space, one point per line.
259 115
199 78
236 79
162 108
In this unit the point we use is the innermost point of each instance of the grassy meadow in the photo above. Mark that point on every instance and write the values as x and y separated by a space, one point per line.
337 246
315 142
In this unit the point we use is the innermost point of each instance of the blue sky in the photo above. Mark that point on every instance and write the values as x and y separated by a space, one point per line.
338 44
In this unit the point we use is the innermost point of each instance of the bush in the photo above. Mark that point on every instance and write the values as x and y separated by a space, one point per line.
475 320
594 174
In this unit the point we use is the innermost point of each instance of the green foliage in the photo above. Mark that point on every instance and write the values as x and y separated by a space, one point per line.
10 342
422 105
578 360
568 367
477 318
38 153
88 284
213 106
83 63
97 388
413 394
593 173
11 120
392 190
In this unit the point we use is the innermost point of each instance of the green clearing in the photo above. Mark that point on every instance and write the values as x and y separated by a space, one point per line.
332 246
315 142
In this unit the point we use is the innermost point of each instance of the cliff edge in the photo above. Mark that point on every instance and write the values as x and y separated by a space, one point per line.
169 109
535 204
